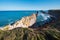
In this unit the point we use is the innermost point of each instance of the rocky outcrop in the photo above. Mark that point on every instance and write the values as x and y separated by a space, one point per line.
25 22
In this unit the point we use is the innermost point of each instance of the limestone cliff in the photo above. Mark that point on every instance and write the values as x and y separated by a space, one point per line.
25 22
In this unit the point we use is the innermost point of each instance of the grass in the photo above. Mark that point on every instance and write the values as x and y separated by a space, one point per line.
29 34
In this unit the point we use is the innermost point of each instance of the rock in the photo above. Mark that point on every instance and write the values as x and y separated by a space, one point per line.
25 22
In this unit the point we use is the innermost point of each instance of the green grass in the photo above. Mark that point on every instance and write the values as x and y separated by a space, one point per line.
29 34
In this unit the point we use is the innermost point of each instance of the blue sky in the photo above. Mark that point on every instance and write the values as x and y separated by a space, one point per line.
29 4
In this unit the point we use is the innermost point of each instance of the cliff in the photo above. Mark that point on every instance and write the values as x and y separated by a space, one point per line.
25 22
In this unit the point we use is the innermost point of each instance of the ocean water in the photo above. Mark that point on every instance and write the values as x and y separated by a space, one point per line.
8 17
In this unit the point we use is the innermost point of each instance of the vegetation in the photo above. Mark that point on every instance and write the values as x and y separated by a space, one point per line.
30 34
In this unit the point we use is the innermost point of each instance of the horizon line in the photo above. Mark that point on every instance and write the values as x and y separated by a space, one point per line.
29 10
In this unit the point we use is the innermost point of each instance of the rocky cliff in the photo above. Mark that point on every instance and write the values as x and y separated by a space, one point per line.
25 22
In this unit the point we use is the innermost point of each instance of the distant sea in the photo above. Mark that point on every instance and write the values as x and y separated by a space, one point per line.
8 17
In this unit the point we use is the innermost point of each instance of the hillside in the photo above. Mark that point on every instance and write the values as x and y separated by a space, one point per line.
30 34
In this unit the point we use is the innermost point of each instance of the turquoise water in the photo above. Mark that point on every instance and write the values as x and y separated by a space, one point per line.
7 17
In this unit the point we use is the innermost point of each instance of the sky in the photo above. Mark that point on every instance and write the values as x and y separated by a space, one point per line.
29 4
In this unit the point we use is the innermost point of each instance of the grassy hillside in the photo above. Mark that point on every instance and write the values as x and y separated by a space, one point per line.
30 34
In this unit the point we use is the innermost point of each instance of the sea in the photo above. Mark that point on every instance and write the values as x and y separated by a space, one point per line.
8 17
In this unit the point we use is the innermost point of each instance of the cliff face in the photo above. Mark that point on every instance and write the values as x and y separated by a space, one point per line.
25 22
56 13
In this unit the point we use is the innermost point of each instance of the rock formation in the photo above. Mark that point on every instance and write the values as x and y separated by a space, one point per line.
25 22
